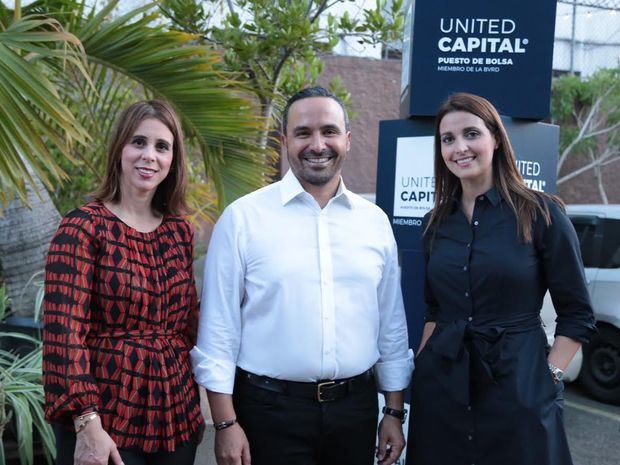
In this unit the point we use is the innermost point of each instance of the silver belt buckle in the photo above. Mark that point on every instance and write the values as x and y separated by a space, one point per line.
318 389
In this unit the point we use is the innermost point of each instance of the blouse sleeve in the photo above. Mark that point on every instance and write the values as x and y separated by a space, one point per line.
432 306
192 317
565 278
68 382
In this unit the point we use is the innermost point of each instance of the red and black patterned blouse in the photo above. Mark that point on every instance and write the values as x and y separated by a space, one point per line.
119 305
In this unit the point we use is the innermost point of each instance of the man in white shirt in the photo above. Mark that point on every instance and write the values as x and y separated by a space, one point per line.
302 316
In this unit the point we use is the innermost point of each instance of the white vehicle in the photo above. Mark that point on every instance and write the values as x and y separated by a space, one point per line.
598 229
548 317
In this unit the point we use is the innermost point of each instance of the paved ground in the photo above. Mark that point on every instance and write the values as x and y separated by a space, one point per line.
593 431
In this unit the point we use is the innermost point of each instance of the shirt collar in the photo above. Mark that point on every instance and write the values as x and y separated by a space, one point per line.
492 195
291 188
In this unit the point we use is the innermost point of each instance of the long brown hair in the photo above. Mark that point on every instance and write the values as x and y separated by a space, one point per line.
525 202
169 198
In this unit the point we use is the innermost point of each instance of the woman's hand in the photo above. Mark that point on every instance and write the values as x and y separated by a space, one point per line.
94 446
427 332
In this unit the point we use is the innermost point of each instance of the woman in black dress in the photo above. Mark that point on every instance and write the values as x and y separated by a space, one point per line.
487 389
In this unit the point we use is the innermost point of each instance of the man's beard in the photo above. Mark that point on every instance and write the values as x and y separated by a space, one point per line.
317 178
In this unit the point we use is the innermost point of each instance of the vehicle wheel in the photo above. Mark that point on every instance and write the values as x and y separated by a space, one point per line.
600 374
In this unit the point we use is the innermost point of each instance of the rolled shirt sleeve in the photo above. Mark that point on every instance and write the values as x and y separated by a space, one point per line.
395 365
219 330
565 278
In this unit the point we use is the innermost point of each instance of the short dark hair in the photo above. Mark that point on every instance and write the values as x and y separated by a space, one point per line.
309 92
169 197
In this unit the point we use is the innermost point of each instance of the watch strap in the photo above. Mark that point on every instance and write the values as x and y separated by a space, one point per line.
400 414
556 373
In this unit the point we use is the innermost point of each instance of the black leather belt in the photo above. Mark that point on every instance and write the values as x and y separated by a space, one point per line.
321 391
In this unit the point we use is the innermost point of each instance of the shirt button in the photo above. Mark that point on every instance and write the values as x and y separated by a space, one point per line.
469 408
465 268
471 318
470 437
466 294
468 245
476 223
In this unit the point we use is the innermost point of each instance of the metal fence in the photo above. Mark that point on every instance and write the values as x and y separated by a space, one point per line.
587 36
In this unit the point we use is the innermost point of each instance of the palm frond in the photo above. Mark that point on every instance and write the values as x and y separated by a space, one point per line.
170 65
33 117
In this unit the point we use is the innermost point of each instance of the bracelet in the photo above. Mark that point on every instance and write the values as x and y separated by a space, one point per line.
400 414
220 425
83 420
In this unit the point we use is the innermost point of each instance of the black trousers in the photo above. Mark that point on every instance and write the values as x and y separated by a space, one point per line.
183 455
284 430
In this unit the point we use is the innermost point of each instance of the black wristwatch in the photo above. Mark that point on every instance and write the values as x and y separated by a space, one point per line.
400 414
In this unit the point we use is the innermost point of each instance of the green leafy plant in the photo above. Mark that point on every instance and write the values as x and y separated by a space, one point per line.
21 402
4 303
21 393
38 281
588 113
63 91
277 45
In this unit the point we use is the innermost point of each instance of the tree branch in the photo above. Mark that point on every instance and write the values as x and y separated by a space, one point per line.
286 53
582 131
320 9
598 175
230 5
603 131
598 161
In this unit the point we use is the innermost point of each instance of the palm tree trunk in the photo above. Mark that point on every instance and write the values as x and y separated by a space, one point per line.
25 234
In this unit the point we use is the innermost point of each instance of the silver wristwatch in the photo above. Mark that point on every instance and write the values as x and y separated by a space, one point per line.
556 373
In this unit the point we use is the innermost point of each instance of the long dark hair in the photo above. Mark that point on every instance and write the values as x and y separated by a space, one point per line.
525 202
169 196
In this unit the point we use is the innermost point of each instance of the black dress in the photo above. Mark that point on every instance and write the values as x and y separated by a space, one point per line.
482 392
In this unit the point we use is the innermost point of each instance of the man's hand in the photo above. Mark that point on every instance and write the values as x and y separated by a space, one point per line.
391 440
232 447
94 446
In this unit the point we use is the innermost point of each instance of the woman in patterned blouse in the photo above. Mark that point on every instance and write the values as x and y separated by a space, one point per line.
120 303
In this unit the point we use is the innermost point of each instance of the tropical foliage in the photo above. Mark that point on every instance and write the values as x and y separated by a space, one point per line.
34 120
86 64
21 402
21 395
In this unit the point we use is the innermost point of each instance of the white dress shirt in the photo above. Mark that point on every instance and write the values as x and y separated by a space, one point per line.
300 293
